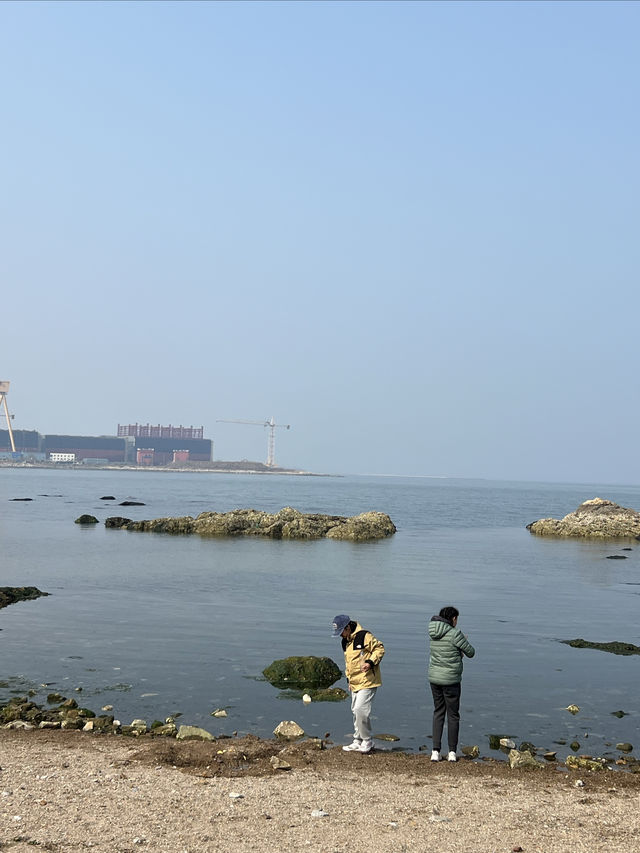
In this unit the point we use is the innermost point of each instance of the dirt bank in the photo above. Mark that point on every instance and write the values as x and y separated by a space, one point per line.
71 791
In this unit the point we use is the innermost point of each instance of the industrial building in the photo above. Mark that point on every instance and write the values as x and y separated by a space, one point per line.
135 444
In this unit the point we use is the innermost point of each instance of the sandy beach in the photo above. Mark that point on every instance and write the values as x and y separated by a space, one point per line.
70 791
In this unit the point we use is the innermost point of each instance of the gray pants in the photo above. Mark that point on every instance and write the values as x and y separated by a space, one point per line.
361 708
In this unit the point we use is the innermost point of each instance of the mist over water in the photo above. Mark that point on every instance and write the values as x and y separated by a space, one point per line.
156 624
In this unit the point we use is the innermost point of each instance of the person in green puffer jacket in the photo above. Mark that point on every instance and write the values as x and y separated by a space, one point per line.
447 647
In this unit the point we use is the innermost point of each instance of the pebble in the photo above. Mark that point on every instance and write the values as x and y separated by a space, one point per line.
578 783
306 698
235 796
319 813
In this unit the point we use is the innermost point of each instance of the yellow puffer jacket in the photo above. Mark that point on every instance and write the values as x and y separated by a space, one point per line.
356 653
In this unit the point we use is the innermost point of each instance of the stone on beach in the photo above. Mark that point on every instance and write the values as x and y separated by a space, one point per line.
193 733
289 730
593 519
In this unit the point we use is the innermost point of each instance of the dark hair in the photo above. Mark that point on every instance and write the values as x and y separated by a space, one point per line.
449 613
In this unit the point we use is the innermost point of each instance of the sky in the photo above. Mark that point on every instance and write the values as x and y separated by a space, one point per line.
408 230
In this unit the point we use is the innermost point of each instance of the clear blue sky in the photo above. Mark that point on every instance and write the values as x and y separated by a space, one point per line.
409 230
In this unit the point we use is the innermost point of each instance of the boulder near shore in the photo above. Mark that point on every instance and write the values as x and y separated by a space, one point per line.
288 523
594 519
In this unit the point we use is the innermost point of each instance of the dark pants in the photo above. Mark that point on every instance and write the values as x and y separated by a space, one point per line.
446 701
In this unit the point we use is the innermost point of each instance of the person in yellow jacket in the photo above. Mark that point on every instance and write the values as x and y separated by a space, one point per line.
362 656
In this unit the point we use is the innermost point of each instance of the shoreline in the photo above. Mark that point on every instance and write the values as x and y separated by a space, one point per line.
54 466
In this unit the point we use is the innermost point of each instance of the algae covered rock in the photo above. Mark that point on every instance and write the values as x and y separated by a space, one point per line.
288 523
615 647
86 519
583 762
306 671
329 694
361 528
522 760
12 594
593 519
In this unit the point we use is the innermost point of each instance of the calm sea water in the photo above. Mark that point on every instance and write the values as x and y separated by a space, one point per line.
157 624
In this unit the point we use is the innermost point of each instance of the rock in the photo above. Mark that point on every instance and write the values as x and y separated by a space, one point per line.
279 763
139 726
617 557
166 730
107 498
522 760
549 756
219 712
507 743
302 672
386 737
593 519
527 746
306 698
471 751
624 747
574 745
69 704
289 730
193 733
86 519
19 724
88 726
117 521
55 698
494 741
581 762
288 523
131 503
107 708
49 724
619 714
12 594
319 813
615 647
21 499
573 709
361 528
329 694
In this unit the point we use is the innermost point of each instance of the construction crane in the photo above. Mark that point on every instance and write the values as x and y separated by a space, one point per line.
271 445
4 390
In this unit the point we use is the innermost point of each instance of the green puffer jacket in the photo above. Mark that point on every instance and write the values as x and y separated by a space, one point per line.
448 645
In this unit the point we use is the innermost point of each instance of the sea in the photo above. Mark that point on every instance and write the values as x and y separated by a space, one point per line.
159 625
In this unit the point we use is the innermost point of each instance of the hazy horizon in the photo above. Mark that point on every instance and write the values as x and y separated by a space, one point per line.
406 229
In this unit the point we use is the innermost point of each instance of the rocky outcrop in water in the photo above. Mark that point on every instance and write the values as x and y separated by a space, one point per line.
11 594
302 671
288 523
615 647
594 519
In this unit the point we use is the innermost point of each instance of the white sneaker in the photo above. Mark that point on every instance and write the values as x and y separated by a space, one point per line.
452 757
366 746
435 755
353 747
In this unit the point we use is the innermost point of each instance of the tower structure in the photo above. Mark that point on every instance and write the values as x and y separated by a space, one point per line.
271 442
4 390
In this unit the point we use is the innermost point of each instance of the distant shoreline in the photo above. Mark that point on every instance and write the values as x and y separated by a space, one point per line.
57 466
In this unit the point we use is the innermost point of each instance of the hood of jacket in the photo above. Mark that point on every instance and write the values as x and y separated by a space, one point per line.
439 627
